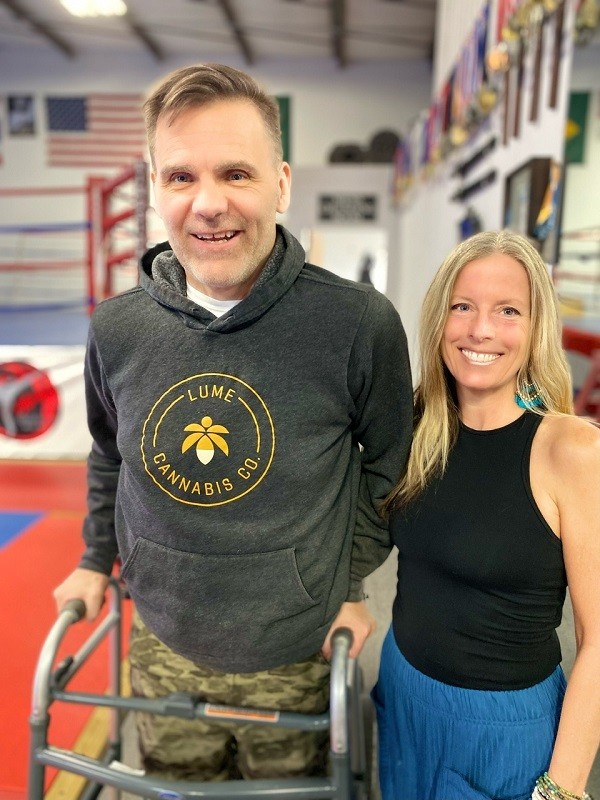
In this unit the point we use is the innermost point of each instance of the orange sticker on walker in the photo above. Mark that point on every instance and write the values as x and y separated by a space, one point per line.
241 714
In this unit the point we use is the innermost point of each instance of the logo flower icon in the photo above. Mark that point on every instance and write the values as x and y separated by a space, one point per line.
204 437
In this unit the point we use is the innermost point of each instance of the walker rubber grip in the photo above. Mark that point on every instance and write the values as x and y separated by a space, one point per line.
343 633
76 607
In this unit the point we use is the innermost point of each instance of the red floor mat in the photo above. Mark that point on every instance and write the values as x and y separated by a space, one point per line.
43 486
31 565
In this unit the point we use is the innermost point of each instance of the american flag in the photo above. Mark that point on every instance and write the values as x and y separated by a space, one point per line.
96 131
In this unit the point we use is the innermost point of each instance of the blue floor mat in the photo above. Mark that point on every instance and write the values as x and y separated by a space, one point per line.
12 523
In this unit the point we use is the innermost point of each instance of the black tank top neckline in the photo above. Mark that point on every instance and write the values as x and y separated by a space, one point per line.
491 431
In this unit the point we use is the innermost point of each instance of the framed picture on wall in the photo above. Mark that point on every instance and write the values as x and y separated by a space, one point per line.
532 204
21 115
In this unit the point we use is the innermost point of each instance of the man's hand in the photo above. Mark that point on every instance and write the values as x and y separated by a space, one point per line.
358 618
85 584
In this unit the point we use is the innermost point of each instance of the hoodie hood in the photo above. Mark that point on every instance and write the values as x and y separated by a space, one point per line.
163 277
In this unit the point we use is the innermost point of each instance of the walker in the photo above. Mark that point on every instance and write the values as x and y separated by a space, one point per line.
348 778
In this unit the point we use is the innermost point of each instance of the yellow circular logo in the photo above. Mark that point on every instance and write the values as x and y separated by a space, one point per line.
208 440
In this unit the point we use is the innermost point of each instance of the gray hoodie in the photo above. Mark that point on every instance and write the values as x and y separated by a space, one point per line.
238 463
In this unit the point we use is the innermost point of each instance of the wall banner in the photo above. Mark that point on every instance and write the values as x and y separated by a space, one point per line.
42 403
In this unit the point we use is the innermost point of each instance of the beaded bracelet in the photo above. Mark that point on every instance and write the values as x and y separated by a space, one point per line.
544 795
547 789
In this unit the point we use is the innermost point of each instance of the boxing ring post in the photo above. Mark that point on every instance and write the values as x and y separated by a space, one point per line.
109 207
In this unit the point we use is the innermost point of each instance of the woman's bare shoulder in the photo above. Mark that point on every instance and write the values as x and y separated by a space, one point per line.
571 443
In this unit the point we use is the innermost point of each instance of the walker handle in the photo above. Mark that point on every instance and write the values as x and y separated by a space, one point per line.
76 607
344 636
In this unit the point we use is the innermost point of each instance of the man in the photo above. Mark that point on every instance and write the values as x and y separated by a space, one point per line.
249 413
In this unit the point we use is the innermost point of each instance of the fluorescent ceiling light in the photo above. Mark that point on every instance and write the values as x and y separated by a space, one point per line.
95 8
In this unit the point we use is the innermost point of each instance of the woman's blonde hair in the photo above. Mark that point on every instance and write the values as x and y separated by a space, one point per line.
545 370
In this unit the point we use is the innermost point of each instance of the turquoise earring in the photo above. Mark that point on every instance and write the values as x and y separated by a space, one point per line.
529 398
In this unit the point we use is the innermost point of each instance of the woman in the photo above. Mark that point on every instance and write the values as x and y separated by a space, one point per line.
499 509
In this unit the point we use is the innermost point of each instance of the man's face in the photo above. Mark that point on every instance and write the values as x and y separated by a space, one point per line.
218 186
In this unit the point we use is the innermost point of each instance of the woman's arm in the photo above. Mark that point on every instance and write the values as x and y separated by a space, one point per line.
575 462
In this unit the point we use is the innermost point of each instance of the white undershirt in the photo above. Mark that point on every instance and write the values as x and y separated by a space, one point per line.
216 307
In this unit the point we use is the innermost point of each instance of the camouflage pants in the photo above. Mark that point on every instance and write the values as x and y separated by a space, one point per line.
199 750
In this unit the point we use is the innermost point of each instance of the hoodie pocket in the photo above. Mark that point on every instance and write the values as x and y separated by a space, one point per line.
205 605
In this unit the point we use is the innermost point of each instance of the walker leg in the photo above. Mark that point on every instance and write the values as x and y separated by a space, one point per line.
38 728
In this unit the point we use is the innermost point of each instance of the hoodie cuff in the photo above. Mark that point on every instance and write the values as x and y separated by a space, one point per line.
355 592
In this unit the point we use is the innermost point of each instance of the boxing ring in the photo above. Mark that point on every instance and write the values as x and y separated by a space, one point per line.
42 281
52 274
577 281
582 337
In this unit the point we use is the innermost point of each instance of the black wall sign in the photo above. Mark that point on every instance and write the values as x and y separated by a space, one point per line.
348 207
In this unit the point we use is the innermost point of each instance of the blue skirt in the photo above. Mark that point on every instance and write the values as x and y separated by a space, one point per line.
441 742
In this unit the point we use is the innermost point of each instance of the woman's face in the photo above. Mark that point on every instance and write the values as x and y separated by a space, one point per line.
486 335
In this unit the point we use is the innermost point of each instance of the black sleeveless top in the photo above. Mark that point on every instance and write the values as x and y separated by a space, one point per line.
481 577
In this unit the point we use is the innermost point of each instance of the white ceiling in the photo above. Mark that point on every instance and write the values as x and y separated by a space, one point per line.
345 31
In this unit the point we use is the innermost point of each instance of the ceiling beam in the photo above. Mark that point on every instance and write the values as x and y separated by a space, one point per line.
237 30
45 30
338 31
142 34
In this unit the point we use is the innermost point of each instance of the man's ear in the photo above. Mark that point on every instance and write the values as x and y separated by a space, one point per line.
285 185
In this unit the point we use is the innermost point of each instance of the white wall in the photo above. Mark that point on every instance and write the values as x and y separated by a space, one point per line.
429 219
329 105
454 21
582 198
341 244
